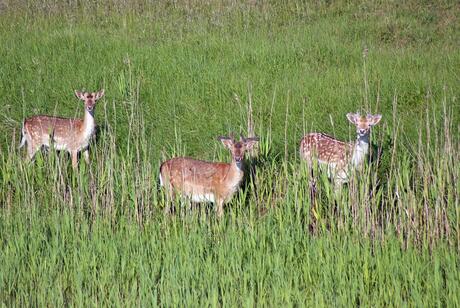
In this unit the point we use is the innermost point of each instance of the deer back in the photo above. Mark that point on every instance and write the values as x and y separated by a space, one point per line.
191 176
326 149
43 129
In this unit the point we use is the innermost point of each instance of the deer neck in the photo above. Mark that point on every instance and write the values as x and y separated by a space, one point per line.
88 124
360 150
235 173
238 165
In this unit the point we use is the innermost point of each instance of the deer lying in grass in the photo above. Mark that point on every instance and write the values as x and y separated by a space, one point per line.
72 135
340 157
203 181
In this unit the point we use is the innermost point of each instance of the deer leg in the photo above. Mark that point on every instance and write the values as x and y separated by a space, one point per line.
313 195
74 155
340 178
167 209
170 197
86 156
31 150
220 208
312 181
338 185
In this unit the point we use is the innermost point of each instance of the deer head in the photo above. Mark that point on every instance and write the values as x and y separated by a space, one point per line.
89 99
363 123
238 148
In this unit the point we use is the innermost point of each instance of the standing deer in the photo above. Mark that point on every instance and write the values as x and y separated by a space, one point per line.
340 157
72 135
203 181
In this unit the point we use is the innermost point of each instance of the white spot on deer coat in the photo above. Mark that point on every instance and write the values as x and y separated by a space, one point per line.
203 198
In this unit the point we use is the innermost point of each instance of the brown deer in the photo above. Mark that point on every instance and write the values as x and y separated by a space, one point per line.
72 135
340 157
202 181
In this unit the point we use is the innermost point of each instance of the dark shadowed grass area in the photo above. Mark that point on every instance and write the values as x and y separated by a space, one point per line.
177 75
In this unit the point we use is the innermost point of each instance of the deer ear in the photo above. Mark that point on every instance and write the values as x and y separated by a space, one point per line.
352 117
80 95
376 119
99 94
227 142
250 142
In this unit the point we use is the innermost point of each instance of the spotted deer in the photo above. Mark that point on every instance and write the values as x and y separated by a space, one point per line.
202 181
340 157
72 135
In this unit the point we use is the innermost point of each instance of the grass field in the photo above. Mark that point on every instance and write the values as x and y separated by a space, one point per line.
177 75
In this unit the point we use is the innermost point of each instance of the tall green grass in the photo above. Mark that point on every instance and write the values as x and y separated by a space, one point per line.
177 75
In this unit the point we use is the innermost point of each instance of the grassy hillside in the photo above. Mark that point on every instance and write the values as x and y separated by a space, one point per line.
190 61
177 75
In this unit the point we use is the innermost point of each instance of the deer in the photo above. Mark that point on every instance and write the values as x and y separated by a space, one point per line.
340 157
203 181
71 135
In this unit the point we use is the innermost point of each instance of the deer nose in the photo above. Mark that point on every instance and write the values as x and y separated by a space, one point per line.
362 131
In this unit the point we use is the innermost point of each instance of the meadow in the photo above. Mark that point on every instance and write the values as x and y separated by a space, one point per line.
178 74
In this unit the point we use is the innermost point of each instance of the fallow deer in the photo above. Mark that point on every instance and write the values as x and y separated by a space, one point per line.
72 135
340 157
202 181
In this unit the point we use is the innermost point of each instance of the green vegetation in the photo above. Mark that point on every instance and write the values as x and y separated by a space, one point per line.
179 74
